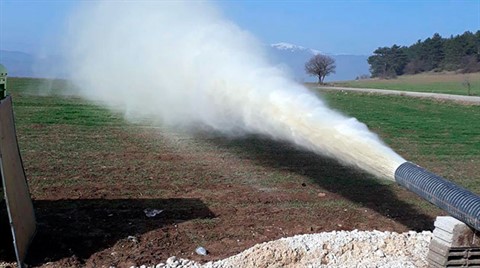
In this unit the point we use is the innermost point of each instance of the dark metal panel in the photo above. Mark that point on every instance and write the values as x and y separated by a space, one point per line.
17 196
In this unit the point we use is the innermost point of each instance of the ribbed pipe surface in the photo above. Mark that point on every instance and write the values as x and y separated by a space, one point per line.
457 201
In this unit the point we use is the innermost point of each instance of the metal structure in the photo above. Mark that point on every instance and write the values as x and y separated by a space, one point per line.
17 195
3 81
457 201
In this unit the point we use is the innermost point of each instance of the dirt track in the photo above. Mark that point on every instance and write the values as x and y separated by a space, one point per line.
457 98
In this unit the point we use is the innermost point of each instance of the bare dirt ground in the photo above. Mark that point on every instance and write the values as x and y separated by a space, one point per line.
437 96
220 193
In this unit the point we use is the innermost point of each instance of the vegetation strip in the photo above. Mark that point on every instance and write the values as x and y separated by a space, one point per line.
438 96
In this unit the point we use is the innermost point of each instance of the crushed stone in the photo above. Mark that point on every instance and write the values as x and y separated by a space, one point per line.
329 249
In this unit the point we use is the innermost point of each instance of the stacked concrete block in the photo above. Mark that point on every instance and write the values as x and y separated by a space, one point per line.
454 244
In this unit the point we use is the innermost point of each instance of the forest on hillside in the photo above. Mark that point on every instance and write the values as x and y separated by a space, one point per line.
459 53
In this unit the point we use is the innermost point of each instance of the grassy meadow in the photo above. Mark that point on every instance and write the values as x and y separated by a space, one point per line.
447 83
442 136
91 174
417 128
421 130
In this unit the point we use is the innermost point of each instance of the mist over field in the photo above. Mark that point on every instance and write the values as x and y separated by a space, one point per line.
185 64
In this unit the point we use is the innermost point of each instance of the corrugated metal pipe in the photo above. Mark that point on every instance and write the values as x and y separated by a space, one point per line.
457 201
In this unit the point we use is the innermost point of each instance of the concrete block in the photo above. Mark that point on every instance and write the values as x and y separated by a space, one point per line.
439 247
436 258
455 232
454 244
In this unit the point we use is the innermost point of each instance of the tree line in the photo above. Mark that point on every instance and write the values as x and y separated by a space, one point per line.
457 53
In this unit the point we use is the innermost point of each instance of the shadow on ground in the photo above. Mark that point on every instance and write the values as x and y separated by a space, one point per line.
83 227
7 252
351 183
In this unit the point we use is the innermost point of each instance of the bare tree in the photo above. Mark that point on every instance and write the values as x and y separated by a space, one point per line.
320 66
466 83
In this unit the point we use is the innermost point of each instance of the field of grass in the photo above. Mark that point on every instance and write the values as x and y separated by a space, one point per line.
443 136
91 174
448 83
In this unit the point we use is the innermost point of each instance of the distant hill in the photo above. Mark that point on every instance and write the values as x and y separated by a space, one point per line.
20 64
289 56
293 57
17 63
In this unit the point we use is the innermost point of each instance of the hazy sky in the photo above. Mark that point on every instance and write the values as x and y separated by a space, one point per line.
352 27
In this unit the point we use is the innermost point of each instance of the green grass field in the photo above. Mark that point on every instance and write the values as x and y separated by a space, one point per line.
41 101
89 162
435 83
443 136
420 130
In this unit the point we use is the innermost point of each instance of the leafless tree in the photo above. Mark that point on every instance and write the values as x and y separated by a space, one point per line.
466 83
320 66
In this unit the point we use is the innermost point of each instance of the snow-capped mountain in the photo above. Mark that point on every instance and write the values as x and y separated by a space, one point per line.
288 56
294 48
293 58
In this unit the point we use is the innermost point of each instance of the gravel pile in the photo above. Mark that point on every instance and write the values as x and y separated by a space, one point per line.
332 249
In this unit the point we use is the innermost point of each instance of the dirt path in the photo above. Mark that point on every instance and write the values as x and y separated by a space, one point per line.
457 98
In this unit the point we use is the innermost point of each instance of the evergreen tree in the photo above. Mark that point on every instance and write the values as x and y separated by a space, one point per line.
453 53
436 53
457 53
388 62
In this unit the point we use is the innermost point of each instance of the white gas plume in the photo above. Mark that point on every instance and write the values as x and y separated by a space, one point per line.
184 64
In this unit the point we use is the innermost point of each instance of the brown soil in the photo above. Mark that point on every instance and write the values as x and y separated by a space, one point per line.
225 194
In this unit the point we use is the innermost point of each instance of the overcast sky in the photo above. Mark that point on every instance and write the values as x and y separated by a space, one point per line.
350 27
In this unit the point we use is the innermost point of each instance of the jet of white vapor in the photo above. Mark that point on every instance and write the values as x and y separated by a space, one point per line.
185 64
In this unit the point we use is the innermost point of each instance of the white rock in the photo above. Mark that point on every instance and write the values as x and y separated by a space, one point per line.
336 249
171 260
201 251
380 253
